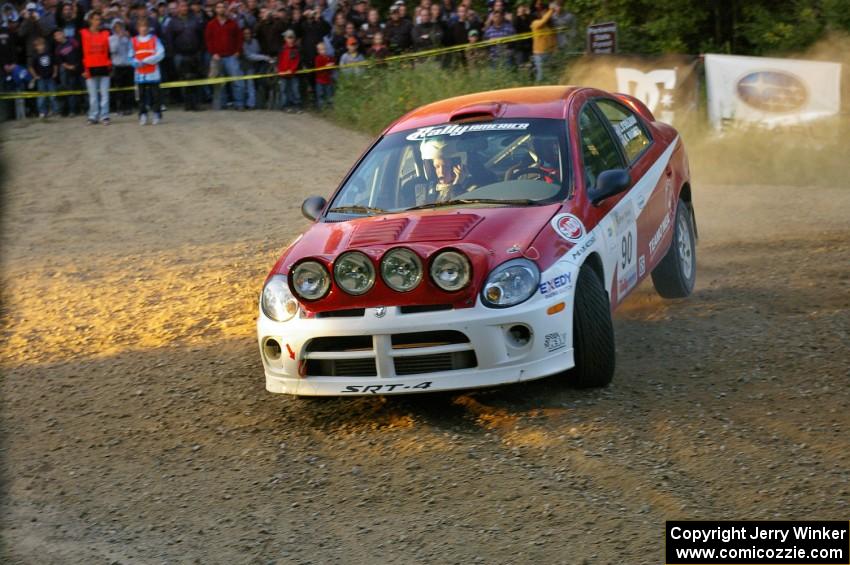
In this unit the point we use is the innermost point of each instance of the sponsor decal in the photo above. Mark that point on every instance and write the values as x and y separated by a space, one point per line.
556 285
628 130
455 130
377 389
641 265
772 91
659 233
626 247
380 311
513 249
568 226
655 88
554 341
577 251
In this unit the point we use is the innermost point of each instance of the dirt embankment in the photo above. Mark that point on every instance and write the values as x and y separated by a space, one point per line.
137 429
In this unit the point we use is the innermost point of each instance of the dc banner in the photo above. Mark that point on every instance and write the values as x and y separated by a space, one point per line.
666 84
770 92
758 542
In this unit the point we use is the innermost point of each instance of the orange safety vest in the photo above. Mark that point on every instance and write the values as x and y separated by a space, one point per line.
95 48
142 50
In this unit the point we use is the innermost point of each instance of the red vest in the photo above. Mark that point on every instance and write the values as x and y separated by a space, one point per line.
95 48
142 50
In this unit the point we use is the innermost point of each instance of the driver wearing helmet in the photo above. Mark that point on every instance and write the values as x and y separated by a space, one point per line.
447 176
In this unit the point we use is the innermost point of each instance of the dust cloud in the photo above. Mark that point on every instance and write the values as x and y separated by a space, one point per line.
810 155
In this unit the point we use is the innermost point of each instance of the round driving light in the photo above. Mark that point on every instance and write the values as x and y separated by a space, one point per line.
277 301
354 273
450 271
494 294
310 280
401 269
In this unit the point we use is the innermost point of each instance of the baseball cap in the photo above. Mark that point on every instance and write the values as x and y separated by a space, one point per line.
472 33
351 41
32 6
289 33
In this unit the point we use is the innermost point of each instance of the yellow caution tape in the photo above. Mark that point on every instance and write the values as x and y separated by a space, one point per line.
363 64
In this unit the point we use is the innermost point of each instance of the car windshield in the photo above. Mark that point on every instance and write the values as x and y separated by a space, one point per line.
517 162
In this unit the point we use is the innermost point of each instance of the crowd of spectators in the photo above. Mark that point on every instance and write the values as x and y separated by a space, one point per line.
94 45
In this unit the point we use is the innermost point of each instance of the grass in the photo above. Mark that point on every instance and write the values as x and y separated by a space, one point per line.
370 102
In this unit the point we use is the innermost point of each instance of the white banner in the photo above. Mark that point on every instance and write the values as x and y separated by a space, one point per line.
773 92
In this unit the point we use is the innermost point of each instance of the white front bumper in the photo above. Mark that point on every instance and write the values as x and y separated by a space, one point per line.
498 360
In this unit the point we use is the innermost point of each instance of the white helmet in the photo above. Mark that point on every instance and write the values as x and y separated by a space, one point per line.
438 148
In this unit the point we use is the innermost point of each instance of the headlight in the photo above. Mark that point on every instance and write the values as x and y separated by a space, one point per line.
450 270
510 283
354 272
310 280
277 301
401 269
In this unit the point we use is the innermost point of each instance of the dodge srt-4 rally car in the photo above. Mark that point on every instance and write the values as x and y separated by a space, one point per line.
482 240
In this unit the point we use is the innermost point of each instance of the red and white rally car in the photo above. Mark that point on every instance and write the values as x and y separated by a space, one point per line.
482 240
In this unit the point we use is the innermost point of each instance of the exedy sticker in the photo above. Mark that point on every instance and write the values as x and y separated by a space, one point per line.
568 226
556 285
455 129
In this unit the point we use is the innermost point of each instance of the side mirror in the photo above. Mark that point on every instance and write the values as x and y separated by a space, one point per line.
610 183
312 207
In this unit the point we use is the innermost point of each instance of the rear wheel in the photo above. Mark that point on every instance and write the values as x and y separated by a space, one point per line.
593 333
675 275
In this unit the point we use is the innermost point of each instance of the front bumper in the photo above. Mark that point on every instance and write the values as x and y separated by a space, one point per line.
397 353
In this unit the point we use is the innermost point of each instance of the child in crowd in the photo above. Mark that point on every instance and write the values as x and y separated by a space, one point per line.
324 79
351 56
44 70
16 79
287 64
68 60
378 51
146 51
475 57
122 68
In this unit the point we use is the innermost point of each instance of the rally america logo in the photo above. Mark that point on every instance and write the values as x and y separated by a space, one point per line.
568 226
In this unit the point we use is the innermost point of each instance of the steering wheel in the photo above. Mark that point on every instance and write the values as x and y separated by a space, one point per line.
519 171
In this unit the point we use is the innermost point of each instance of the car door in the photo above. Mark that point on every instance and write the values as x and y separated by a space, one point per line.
602 152
650 197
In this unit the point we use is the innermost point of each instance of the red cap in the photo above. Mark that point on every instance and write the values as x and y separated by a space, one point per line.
351 41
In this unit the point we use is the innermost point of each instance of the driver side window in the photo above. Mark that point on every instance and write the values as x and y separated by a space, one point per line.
599 151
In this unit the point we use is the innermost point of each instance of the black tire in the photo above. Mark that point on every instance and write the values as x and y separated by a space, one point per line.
675 275
593 333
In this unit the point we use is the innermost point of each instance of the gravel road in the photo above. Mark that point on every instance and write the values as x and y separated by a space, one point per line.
137 428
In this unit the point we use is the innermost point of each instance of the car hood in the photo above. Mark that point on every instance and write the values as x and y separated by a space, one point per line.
487 235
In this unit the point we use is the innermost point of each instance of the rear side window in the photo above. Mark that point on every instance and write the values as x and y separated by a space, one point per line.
599 150
627 128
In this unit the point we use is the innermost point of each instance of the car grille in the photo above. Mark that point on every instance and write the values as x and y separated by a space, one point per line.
341 367
412 353
424 308
419 364
350 313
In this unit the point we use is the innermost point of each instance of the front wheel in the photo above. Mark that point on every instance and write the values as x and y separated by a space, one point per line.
593 333
675 275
